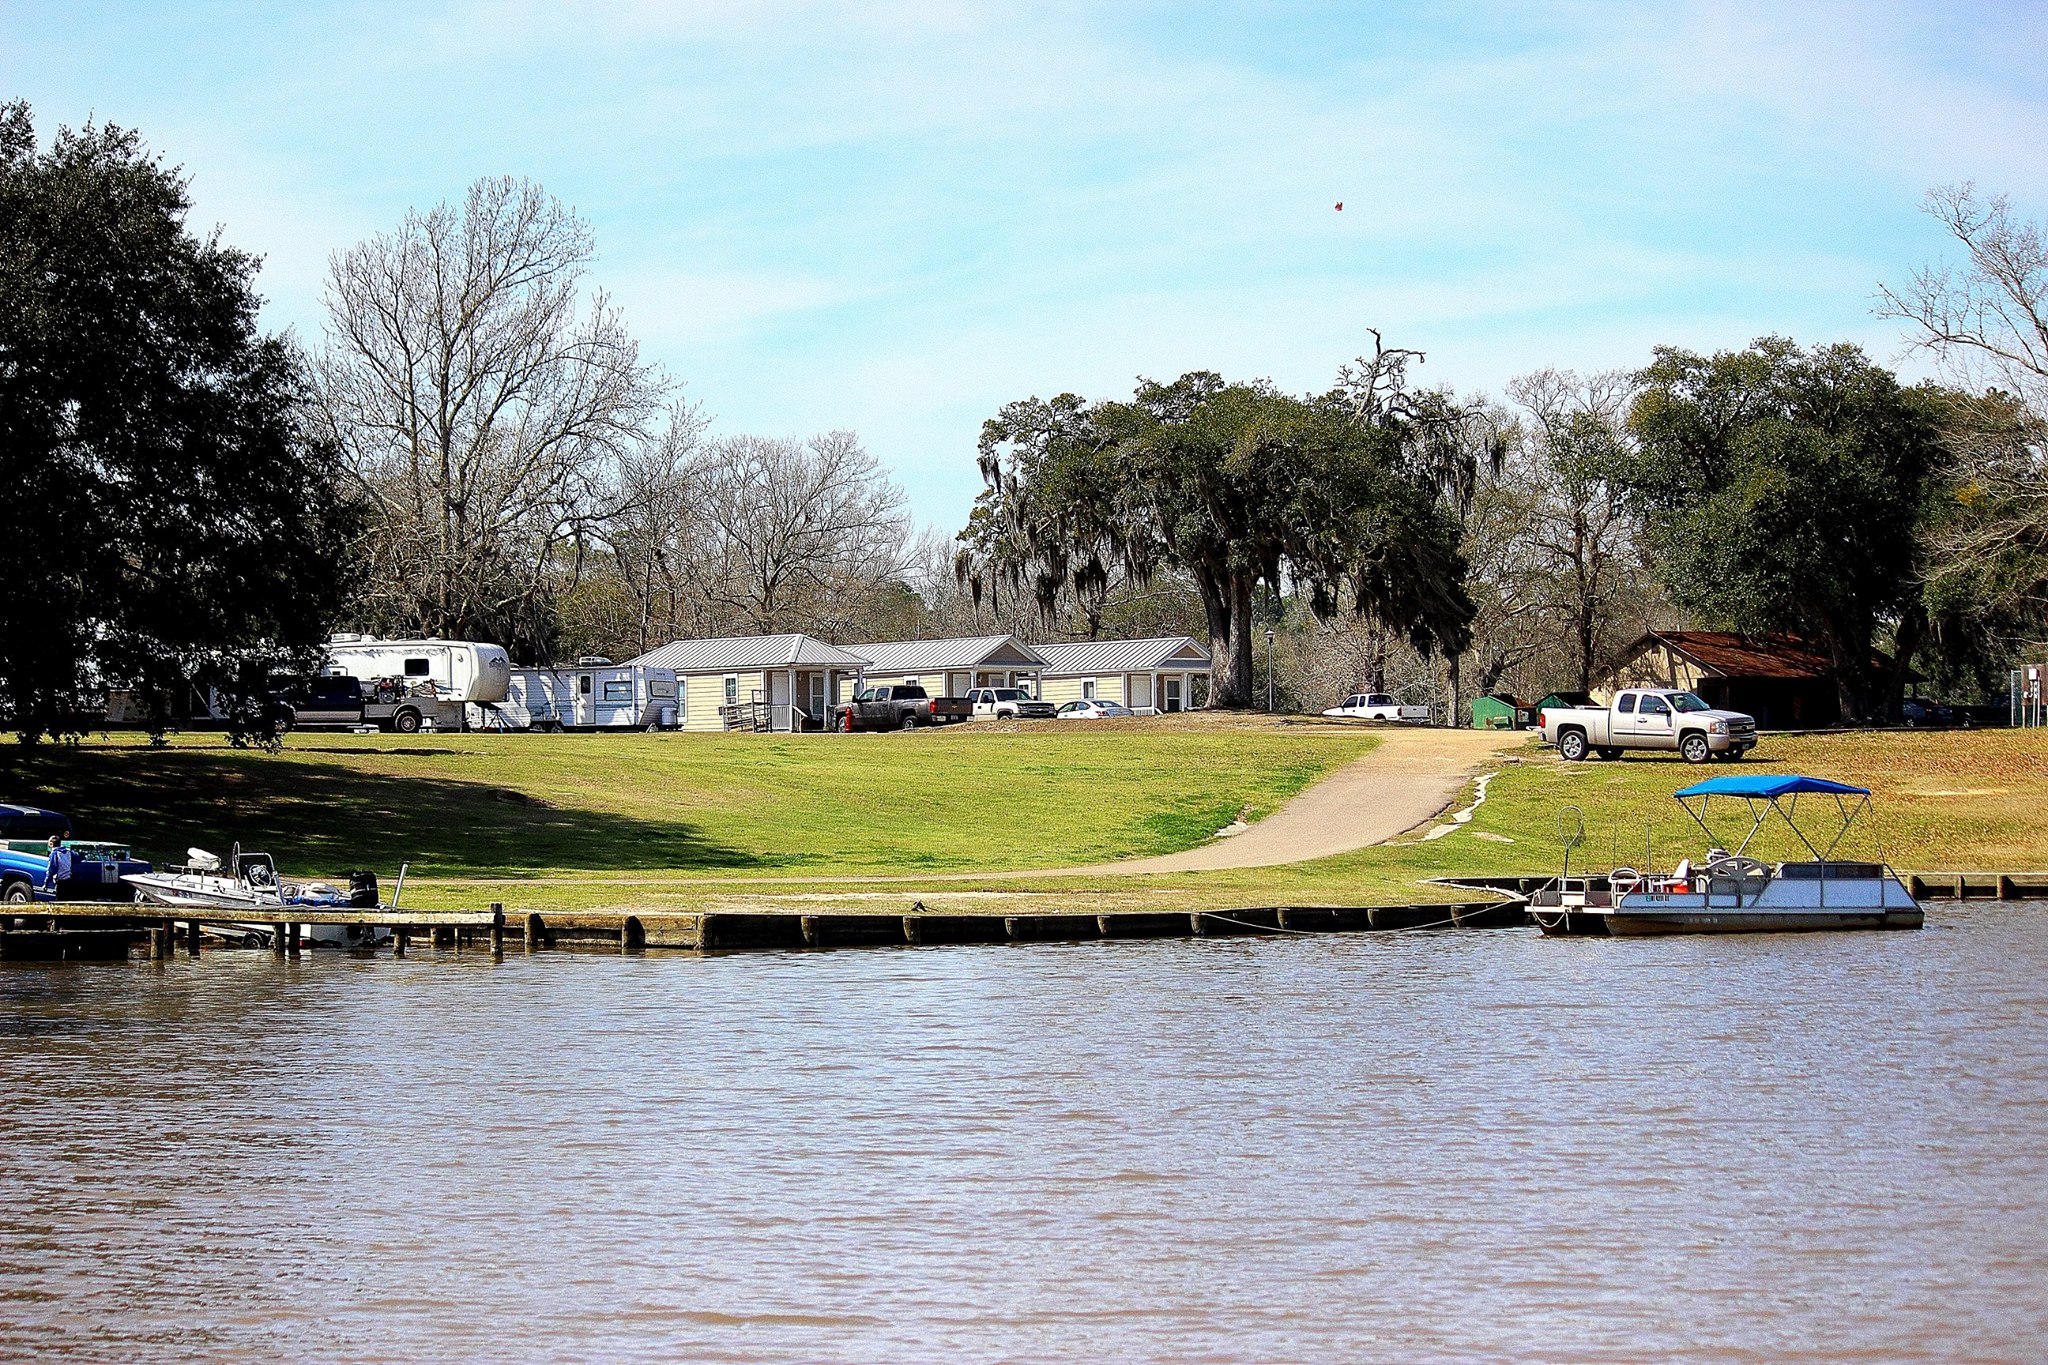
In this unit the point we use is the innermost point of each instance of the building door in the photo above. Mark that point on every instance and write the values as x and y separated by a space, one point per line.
1171 687
814 696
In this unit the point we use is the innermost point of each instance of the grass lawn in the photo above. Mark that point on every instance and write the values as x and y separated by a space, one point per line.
1955 801
684 805
691 822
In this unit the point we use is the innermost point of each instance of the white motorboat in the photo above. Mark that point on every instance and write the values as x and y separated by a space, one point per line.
1731 892
248 885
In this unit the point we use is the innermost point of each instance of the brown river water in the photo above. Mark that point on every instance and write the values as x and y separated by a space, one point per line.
1470 1145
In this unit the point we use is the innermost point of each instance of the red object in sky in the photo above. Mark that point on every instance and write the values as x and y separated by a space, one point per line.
1340 206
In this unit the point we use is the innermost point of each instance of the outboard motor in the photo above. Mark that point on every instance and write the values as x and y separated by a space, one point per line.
362 890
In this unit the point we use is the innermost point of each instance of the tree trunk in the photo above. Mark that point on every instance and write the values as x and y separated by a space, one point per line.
1241 636
1216 610
1912 630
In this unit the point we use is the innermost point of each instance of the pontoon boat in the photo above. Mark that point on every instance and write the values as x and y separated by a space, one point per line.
1731 892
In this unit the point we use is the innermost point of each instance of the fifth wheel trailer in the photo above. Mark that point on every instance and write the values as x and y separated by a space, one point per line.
468 679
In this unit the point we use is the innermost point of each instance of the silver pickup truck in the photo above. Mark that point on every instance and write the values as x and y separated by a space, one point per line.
1649 718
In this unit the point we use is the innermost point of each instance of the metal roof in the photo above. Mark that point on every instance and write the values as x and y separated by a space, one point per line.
738 652
1123 656
934 656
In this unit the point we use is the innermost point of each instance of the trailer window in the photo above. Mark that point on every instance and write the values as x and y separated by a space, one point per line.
618 689
661 687
415 668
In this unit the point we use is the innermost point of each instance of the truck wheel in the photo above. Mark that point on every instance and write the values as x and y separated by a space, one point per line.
406 722
1571 746
1694 749
1610 753
18 893
910 721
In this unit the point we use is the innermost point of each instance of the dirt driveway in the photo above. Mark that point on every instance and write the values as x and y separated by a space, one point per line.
1410 777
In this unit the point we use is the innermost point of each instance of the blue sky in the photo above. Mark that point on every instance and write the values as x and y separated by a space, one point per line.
895 218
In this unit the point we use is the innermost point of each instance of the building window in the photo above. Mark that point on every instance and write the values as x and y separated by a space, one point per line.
1087 689
732 689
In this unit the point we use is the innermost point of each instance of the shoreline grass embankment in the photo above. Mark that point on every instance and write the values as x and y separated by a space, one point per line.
973 820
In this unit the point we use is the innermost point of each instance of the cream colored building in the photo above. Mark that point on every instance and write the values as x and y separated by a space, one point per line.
774 682
1154 675
949 668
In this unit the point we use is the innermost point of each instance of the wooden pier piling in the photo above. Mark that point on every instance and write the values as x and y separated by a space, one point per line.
497 931
277 944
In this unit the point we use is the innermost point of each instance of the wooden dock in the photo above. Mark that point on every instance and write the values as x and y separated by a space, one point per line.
724 931
83 929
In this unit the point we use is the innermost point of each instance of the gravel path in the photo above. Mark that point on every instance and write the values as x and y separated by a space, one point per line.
1412 776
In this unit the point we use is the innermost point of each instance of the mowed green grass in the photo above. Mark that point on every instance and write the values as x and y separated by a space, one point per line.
685 805
1975 801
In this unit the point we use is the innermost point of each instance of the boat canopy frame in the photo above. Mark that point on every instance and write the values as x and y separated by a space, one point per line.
1765 794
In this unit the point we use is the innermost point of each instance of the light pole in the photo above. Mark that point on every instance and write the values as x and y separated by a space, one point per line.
1269 672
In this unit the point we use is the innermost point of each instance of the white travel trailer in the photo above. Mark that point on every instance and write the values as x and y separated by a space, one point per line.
536 699
597 694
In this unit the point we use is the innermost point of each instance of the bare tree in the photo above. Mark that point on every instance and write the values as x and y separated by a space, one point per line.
796 535
1591 583
481 408
1986 322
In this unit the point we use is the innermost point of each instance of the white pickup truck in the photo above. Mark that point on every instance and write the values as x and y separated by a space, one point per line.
1649 718
1009 703
1378 706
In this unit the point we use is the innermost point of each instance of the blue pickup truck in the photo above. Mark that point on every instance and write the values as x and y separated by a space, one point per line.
96 868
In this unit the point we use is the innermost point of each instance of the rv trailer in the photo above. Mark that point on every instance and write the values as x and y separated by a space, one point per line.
597 694
467 679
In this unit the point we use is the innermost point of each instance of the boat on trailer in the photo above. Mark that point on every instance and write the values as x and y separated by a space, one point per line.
1731 892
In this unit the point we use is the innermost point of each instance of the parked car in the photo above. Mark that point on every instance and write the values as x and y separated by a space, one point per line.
1921 711
1093 710
96 868
1379 706
902 706
1008 702
1649 718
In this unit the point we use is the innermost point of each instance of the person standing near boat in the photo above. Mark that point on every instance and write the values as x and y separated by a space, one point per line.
60 867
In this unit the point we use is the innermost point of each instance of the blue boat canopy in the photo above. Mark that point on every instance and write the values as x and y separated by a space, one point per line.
1770 786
